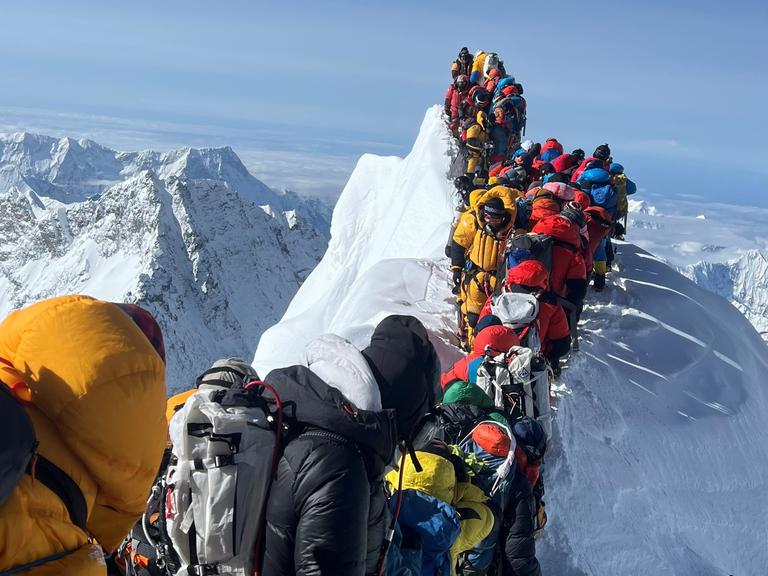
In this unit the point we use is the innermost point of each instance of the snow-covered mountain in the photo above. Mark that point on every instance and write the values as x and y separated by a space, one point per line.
190 234
659 460
723 248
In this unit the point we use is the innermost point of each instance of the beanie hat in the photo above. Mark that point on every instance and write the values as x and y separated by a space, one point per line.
579 153
494 207
546 168
616 168
574 213
603 152
485 321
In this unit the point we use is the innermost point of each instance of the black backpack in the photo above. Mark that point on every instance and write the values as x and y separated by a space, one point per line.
449 423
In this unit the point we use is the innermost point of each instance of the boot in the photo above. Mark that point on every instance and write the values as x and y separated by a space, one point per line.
598 284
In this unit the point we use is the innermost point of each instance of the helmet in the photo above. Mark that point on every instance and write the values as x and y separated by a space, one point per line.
462 82
530 437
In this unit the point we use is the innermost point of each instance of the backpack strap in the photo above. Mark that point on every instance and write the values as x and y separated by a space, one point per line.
59 482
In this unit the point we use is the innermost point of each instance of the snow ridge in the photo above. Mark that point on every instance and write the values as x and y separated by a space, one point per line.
658 463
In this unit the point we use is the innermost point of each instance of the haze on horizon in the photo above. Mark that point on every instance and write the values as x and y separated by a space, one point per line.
301 90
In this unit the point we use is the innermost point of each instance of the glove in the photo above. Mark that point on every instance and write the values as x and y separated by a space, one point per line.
541 517
619 230
456 280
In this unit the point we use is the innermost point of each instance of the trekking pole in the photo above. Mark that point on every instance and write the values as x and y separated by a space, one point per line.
391 531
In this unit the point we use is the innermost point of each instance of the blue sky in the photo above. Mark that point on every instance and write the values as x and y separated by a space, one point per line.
301 89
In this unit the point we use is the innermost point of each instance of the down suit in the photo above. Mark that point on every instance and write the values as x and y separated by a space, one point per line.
326 513
98 409
477 247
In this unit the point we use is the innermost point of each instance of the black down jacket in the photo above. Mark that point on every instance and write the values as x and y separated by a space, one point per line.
326 513
519 557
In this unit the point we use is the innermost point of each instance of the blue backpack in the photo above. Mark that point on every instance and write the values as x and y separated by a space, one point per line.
605 196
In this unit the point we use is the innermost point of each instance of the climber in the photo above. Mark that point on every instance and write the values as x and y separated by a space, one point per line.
524 513
624 188
454 96
88 377
478 65
568 275
326 512
462 65
477 246
602 153
475 133
599 228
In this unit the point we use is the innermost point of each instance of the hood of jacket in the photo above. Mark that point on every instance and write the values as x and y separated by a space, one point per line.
308 400
98 408
335 360
559 228
406 368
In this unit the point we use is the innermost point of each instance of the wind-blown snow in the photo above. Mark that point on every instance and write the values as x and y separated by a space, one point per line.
181 233
659 461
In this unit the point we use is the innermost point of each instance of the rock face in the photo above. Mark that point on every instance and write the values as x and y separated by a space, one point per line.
190 234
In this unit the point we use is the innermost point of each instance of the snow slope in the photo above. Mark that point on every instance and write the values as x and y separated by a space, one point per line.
721 247
210 250
659 463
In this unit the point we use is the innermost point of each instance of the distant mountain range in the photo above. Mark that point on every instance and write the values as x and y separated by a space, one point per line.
190 234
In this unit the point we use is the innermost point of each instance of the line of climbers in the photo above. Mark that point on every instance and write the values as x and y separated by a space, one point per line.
485 109
534 226
350 463
353 462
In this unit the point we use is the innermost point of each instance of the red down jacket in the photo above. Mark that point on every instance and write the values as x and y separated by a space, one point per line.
500 339
567 262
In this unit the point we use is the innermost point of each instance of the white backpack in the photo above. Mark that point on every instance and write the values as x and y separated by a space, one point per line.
519 311
225 451
522 377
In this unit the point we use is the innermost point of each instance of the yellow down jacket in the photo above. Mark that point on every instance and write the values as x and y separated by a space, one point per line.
98 409
482 248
